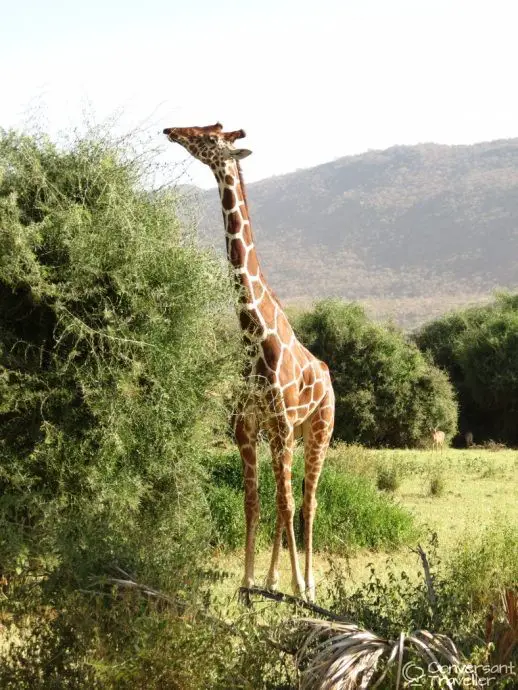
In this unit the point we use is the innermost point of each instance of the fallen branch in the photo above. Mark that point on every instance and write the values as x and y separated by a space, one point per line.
181 607
245 592
432 598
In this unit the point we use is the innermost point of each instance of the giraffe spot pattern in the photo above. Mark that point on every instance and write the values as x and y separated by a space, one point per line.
229 199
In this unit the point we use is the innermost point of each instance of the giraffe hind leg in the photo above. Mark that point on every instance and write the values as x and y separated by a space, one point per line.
272 581
317 435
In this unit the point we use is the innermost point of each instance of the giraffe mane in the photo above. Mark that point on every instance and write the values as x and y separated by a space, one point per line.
245 199
242 183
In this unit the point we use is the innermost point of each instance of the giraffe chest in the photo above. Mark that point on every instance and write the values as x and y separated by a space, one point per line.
283 380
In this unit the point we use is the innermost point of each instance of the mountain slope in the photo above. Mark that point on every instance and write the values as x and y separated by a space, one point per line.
426 225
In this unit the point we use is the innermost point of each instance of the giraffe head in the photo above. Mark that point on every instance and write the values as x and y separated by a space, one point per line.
211 145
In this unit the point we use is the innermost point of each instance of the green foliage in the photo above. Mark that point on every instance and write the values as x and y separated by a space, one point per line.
353 513
465 586
350 513
479 349
387 393
112 368
52 653
122 640
227 515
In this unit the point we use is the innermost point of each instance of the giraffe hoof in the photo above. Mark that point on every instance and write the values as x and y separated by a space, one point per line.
310 593
244 591
299 589
272 582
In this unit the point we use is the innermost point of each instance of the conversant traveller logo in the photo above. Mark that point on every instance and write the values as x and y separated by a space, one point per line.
456 676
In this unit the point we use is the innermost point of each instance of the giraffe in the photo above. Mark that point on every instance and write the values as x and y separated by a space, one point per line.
289 391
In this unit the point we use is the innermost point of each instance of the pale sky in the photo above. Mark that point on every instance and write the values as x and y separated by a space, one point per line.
309 81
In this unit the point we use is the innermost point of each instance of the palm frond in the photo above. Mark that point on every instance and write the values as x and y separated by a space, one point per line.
343 656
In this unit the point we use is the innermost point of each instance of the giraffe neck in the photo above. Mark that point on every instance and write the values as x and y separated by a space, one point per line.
258 307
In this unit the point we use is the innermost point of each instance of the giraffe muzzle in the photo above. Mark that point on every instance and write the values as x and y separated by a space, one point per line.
169 132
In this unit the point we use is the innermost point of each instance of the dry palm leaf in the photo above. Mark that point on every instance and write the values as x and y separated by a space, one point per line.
342 656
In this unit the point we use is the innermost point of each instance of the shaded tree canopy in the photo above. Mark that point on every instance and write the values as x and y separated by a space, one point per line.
478 347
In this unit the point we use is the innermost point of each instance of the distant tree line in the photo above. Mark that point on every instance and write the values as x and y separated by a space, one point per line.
458 373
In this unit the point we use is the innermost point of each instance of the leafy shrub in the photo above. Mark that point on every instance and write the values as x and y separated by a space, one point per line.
486 565
387 393
353 513
52 653
388 479
116 365
120 639
465 585
227 515
437 484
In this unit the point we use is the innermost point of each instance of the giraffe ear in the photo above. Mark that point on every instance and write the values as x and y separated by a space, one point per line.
238 154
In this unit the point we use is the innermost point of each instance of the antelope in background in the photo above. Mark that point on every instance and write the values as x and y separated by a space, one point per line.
438 438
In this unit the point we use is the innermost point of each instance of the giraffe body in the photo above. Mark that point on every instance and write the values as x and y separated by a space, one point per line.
289 391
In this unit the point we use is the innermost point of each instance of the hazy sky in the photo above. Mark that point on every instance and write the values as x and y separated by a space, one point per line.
309 81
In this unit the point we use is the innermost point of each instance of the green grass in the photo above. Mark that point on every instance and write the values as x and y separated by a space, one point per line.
480 486
351 513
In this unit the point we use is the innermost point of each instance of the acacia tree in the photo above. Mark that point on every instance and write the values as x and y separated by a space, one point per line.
388 393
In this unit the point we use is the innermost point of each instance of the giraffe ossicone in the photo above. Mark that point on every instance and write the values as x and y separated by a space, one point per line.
289 391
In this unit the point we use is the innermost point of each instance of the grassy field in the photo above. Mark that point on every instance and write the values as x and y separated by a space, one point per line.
476 489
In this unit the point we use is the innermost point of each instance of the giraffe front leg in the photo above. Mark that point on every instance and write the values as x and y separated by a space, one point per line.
272 581
317 435
246 437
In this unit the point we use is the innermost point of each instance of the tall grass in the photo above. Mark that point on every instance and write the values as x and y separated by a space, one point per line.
486 564
350 513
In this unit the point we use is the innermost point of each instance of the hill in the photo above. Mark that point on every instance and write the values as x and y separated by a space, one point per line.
411 231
